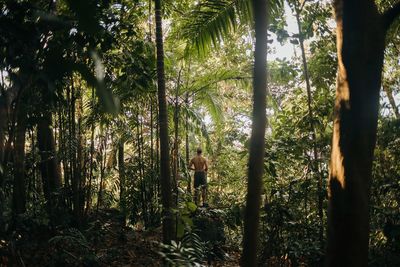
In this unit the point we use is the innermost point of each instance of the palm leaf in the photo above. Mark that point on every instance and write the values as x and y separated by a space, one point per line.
211 20
196 124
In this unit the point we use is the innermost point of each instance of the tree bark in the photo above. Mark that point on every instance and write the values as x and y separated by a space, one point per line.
257 140
91 162
19 192
166 192
176 139
189 187
51 174
3 126
121 172
361 34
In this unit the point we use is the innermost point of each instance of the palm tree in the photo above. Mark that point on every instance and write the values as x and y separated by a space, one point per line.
166 190
208 24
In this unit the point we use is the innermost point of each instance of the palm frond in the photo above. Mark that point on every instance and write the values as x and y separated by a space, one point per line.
212 103
211 20
213 77
197 124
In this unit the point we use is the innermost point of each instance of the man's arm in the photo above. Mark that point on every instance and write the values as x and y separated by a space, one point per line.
205 165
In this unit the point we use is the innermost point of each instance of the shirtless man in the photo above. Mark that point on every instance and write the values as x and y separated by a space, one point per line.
200 176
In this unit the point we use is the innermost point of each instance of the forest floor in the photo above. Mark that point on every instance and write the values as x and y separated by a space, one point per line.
105 243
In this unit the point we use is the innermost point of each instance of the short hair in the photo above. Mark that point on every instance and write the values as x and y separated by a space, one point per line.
199 151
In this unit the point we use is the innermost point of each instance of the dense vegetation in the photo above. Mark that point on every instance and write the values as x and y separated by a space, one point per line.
104 103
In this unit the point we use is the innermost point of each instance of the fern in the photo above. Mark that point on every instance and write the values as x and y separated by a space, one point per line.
190 251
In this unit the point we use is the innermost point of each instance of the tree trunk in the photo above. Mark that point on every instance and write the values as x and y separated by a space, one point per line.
139 142
360 44
103 163
51 175
392 102
80 198
189 187
151 134
19 192
91 162
3 126
315 164
176 139
121 171
257 139
168 220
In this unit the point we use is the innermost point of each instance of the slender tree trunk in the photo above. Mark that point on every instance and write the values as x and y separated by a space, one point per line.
176 139
149 22
166 190
389 94
19 192
73 154
151 134
51 175
141 170
157 150
257 139
3 126
315 163
80 196
91 163
189 187
360 44
103 162
122 186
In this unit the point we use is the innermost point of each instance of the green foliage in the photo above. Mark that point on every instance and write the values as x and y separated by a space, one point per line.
72 249
385 196
190 251
211 20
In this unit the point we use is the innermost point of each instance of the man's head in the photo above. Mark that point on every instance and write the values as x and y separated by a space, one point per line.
199 151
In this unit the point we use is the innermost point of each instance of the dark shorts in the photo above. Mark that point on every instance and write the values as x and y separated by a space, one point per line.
200 179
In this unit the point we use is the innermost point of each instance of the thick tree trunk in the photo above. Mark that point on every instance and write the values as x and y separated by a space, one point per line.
168 219
19 192
360 45
257 140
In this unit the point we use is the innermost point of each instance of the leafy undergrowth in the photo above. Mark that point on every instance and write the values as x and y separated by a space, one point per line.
105 242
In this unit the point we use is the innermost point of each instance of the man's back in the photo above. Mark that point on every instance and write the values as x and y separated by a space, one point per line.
200 163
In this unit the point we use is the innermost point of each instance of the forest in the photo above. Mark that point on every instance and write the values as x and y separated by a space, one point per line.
199 133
